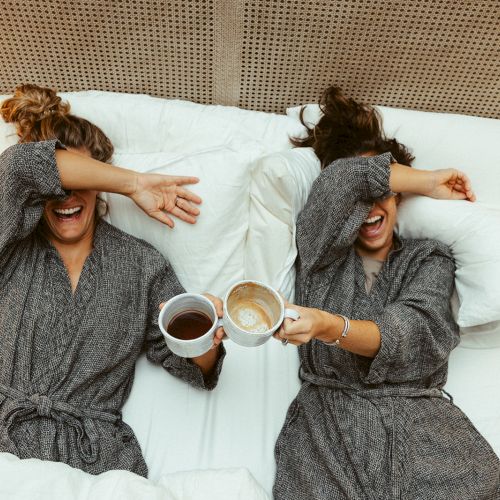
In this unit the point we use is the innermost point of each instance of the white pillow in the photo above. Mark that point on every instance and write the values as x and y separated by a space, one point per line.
441 140
209 255
144 124
471 230
279 189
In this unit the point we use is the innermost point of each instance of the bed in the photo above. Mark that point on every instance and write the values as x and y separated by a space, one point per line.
211 88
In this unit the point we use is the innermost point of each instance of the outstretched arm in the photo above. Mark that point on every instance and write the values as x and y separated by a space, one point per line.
343 194
153 193
418 325
201 372
444 184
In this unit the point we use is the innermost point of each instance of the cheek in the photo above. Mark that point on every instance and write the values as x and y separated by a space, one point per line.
90 199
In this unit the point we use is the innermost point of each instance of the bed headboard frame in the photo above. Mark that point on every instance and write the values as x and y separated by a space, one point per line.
434 55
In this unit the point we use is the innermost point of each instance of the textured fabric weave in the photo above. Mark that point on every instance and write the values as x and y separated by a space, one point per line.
376 429
263 55
67 362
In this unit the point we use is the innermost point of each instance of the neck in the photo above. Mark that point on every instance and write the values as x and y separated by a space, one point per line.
75 252
378 254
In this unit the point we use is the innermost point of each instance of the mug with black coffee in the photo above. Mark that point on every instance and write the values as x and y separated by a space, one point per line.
188 322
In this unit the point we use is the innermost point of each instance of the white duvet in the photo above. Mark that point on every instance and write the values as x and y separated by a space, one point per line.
36 480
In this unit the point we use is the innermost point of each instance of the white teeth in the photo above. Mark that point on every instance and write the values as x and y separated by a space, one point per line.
67 211
373 219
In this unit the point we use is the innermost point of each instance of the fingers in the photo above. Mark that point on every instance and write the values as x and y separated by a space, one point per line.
182 215
298 327
187 207
162 217
461 186
299 339
188 195
181 179
217 303
220 334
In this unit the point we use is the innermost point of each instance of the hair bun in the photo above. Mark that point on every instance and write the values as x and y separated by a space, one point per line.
31 104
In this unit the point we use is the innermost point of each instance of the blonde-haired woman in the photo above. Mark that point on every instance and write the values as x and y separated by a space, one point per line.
79 297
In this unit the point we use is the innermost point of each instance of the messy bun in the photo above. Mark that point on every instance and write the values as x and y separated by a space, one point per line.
348 128
39 114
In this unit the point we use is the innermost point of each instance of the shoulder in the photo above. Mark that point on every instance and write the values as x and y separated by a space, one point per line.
430 254
427 247
128 249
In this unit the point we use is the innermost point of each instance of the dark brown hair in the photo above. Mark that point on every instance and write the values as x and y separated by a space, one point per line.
348 128
40 115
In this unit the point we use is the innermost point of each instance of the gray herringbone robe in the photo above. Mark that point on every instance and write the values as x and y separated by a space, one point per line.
376 429
67 360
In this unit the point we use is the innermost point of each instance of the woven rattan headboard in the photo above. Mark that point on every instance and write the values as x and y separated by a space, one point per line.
438 55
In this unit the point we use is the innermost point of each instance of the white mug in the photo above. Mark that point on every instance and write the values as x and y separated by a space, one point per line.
188 302
253 311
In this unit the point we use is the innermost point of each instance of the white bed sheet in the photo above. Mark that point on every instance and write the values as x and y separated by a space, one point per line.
237 424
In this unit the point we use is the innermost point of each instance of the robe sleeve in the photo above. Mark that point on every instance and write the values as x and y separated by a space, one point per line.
165 285
417 331
28 178
339 202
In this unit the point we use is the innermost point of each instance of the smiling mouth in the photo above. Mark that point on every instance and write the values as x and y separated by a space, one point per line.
372 226
68 214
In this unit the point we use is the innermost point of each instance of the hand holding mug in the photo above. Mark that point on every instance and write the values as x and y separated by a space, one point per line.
190 324
312 324
253 311
219 309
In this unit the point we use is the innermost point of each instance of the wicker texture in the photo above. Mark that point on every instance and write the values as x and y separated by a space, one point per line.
440 55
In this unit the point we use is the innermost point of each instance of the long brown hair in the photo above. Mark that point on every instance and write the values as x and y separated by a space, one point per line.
40 115
348 128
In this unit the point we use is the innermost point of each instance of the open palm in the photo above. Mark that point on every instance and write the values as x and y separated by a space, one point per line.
158 195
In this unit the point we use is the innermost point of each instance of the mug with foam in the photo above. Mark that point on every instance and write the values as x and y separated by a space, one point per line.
188 322
253 311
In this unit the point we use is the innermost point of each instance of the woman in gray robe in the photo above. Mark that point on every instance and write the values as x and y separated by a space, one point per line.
78 297
371 420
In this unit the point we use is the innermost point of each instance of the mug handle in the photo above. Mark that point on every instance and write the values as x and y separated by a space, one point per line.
220 322
291 314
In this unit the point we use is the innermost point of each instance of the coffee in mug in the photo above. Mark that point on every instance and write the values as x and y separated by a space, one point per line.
253 311
253 308
188 322
189 325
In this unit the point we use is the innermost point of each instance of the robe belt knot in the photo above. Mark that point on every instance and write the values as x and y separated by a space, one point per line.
43 404
25 407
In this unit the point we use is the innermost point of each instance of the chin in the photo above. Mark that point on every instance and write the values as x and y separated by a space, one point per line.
65 234
374 246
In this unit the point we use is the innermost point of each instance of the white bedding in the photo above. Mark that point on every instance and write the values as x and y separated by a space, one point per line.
33 479
236 425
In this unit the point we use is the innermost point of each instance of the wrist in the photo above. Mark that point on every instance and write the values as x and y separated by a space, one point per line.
411 180
131 184
339 328
332 327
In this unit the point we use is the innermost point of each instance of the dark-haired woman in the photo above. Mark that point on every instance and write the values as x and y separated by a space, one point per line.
375 333
78 297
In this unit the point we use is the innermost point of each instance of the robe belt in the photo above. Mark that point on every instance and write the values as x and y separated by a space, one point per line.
81 420
375 392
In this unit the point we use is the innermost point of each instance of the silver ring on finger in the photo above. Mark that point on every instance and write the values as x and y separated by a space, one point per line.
284 342
177 201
